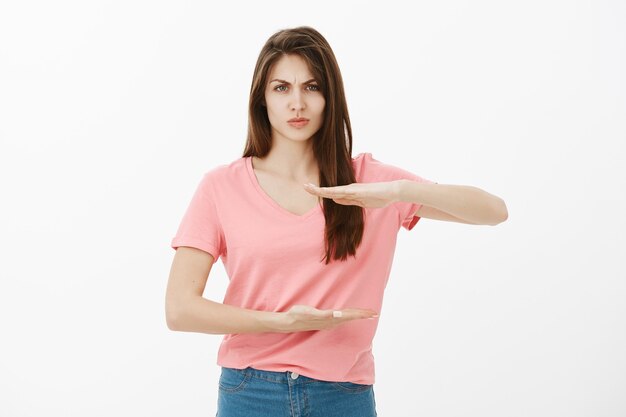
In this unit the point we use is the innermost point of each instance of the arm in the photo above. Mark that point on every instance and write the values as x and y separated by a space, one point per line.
186 310
461 203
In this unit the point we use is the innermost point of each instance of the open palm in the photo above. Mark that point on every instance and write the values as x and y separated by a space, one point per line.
364 194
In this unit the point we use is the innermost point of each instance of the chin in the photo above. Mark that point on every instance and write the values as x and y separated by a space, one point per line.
299 136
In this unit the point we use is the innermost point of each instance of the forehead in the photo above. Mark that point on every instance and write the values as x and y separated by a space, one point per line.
290 67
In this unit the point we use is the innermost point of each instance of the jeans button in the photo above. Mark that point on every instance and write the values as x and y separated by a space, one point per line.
294 375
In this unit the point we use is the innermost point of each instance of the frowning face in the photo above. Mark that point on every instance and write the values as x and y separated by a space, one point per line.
292 92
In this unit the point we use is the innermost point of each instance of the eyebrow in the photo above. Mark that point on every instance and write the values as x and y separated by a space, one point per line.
287 82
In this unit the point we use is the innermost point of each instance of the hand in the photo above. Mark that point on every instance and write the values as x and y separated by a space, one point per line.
364 194
303 317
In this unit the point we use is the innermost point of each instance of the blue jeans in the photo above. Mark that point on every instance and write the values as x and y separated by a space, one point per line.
254 392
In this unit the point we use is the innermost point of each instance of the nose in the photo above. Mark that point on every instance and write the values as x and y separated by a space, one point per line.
297 100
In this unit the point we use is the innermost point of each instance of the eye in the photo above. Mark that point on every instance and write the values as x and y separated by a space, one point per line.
315 87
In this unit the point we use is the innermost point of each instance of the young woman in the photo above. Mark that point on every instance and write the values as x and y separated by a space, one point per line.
307 264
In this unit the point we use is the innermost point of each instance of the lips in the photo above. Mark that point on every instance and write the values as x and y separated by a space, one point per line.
298 122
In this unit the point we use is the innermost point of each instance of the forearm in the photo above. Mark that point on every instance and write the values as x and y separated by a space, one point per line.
200 315
463 201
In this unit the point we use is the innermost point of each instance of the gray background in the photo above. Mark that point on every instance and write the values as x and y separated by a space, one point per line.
110 112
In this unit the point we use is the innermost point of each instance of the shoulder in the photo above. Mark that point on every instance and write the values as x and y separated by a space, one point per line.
223 175
369 169
361 164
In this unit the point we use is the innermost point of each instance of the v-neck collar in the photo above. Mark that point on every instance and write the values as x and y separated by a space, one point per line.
255 182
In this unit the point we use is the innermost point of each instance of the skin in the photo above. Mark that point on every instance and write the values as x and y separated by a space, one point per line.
290 163
447 202
283 173
291 156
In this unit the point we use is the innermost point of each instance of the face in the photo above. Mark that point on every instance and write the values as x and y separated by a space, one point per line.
292 92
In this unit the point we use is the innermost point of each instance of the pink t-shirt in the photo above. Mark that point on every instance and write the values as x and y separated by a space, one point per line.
273 261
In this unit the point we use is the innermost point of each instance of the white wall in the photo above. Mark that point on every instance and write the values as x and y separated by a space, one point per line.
110 112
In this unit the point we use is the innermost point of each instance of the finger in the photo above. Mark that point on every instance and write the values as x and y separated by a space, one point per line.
310 188
322 314
337 191
345 202
335 314
368 313
351 314
332 192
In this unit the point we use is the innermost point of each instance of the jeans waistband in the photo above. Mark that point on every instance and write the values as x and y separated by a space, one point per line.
283 377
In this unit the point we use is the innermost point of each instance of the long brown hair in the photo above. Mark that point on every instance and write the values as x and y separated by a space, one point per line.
332 143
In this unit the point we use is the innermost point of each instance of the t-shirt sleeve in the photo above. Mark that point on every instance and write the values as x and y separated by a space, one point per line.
200 227
407 209
389 172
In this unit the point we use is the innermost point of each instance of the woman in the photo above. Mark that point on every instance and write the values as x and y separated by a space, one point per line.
307 264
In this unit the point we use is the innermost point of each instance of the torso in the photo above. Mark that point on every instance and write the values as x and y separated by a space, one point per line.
287 193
